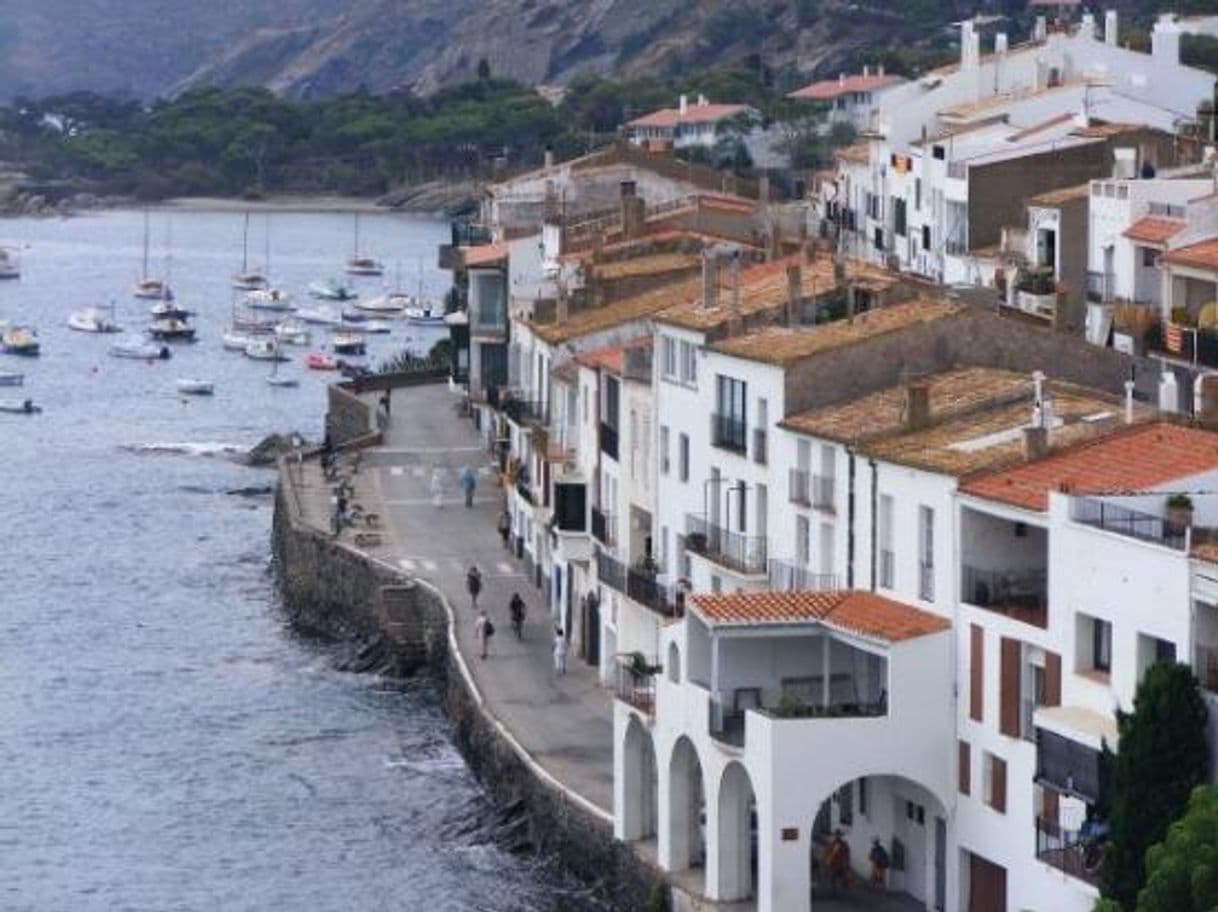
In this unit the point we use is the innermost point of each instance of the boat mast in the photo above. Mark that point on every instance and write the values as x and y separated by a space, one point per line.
245 245
355 254
267 251
144 273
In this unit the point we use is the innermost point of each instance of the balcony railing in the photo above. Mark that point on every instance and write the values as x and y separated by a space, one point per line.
609 440
888 566
1205 665
1021 595
799 487
788 577
1099 287
523 488
639 586
759 446
725 725
926 581
1125 521
604 529
822 492
636 686
525 411
1070 851
729 433
734 550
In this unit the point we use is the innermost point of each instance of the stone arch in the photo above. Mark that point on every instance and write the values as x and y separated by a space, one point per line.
736 842
686 808
673 664
641 782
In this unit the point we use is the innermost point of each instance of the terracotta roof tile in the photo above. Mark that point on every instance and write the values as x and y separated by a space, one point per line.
863 613
828 89
609 358
1202 255
1154 229
484 254
1139 458
636 307
1060 196
694 113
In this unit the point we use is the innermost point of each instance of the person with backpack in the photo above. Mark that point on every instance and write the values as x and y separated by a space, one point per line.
484 629
879 863
473 583
516 609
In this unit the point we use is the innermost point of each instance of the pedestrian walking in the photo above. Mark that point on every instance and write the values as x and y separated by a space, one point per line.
505 527
484 629
385 402
468 482
516 609
473 583
879 863
437 487
560 652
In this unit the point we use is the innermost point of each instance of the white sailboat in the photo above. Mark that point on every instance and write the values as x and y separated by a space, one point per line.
269 299
190 386
319 316
273 378
422 312
94 320
139 349
290 333
250 279
10 263
265 350
360 265
149 286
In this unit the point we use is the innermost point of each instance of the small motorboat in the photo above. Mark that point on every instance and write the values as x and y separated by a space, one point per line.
319 361
424 315
393 303
194 387
8 378
19 406
364 327
292 334
93 320
10 263
250 281
18 340
152 289
348 344
172 330
254 326
168 310
354 316
139 349
319 316
358 265
269 299
236 340
265 350
332 290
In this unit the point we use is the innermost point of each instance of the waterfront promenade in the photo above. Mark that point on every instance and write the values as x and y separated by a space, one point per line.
564 723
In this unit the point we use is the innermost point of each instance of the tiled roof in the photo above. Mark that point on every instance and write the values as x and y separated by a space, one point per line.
1202 255
636 307
1139 458
694 113
783 345
863 613
484 254
1063 195
1154 229
653 264
829 89
609 358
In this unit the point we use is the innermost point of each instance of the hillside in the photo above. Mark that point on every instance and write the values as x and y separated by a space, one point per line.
315 48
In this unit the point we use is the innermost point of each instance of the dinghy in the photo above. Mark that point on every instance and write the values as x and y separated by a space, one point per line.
194 387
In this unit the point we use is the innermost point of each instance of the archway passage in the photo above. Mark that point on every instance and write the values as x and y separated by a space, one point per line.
737 835
686 808
642 783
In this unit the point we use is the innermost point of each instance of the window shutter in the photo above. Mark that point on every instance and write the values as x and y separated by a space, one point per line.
1008 709
998 785
965 764
976 663
1049 807
1053 679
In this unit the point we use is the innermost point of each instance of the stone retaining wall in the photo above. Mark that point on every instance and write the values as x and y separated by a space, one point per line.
334 589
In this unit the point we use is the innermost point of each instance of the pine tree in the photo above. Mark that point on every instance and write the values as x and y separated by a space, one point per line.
1182 871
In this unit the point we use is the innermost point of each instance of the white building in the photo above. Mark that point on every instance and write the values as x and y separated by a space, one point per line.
698 124
851 99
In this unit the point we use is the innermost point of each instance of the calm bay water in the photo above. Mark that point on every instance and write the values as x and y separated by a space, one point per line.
166 741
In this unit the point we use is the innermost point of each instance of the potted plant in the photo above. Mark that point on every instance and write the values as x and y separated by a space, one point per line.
1179 511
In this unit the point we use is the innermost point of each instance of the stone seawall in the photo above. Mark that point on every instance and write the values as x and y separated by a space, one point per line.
331 588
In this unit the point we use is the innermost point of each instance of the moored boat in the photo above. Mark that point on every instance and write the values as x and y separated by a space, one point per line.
18 340
319 361
172 330
319 316
265 350
292 334
139 349
93 320
269 299
423 314
19 406
331 290
168 310
10 378
10 263
348 344
392 303
194 387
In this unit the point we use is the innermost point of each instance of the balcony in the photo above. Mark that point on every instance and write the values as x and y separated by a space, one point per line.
524 411
608 440
729 433
1129 522
760 455
799 487
822 492
789 577
523 488
1022 595
725 725
734 550
1036 305
638 585
636 682
1099 287
1074 852
604 528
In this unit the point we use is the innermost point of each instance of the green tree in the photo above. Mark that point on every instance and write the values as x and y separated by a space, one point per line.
1161 758
1182 871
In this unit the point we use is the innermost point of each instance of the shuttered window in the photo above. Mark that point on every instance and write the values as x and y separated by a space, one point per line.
1008 702
965 764
976 689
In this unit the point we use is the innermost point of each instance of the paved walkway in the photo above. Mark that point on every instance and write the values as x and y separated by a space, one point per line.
565 723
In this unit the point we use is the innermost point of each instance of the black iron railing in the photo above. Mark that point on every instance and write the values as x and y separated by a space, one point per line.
724 724
1125 521
735 550
525 411
603 527
636 684
1019 594
728 432
1070 851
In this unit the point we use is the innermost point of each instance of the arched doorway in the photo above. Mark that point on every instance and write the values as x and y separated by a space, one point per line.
737 842
641 783
686 808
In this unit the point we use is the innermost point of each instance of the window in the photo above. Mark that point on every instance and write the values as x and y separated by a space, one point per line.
716 585
730 423
918 194
938 152
926 237
878 238
610 404
1150 257
1100 658
964 767
863 795
663 449
683 456
689 364
803 540
994 782
886 558
926 554
845 804
668 359
898 216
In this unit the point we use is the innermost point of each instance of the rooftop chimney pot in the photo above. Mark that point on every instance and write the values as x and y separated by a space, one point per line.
1035 443
917 406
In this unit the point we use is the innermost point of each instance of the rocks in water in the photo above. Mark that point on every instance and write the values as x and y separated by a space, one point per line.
272 447
251 491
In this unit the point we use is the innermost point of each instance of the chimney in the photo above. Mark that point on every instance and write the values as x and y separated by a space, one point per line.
1110 27
710 279
917 406
1165 39
549 157
1040 30
966 45
683 107
702 102
841 79
1038 400
1129 385
1169 392
631 211
1087 27
1035 443
879 71
795 293
866 70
